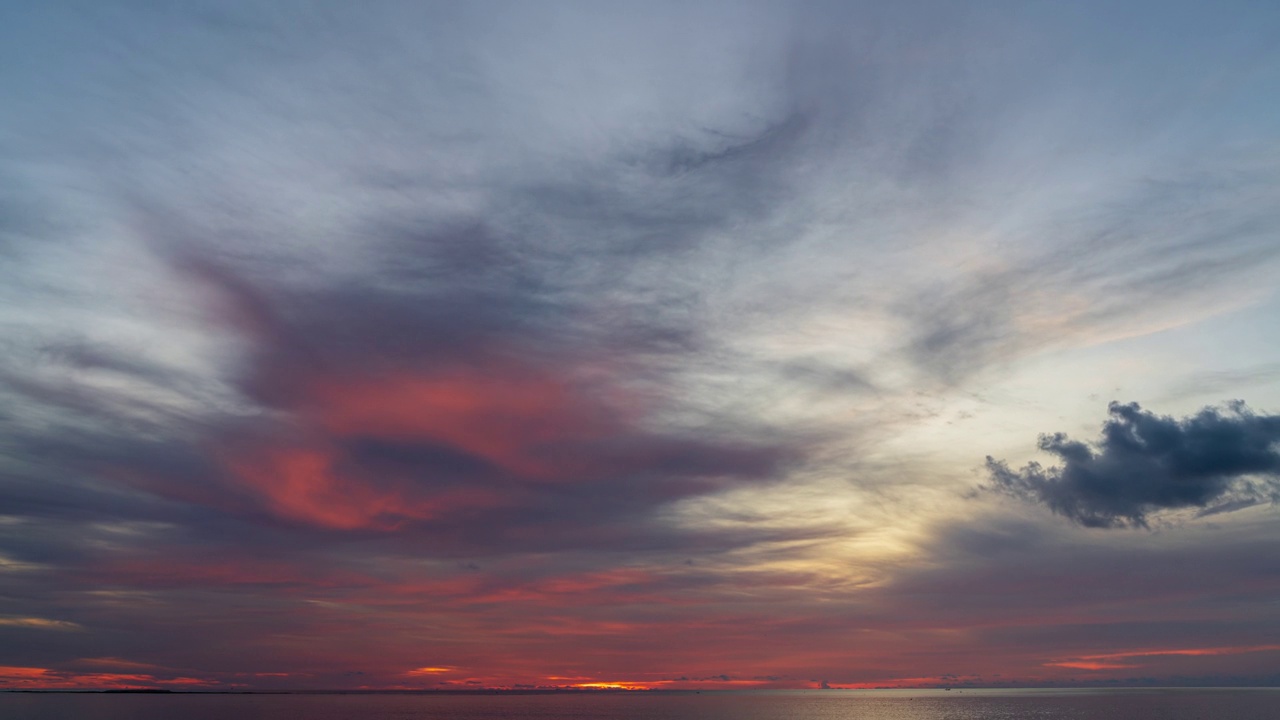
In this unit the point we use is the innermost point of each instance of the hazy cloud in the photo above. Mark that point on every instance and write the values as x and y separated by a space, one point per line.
620 337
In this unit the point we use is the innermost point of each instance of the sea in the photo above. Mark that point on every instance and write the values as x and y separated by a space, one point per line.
956 704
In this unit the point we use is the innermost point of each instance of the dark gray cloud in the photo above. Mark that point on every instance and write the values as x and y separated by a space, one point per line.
1217 459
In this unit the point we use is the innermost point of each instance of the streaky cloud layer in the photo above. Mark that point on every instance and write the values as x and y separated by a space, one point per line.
437 346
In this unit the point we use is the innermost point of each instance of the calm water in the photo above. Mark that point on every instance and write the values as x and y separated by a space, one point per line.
1172 704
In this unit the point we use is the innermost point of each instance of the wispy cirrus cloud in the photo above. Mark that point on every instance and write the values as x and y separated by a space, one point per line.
345 344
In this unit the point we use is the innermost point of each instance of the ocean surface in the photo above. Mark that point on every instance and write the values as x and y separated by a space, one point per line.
1143 704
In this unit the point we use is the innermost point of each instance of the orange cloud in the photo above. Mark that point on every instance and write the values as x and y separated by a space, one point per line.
39 678
1105 661
9 672
39 623
430 671
1089 665
1234 650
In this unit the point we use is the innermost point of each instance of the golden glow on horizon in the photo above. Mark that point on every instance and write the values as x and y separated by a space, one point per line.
682 683
618 685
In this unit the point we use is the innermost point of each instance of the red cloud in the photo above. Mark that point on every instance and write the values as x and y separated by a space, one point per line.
40 678
522 423
512 417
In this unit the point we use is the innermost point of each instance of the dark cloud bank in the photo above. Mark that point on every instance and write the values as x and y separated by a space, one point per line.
1219 460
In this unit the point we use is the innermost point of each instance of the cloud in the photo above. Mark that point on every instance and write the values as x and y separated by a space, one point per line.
1219 458
1217 382
1148 254
38 623
592 336
480 420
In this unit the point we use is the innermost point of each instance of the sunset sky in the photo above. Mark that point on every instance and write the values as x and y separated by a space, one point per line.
666 345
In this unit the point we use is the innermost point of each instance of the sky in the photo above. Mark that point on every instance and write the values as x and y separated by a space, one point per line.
649 345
